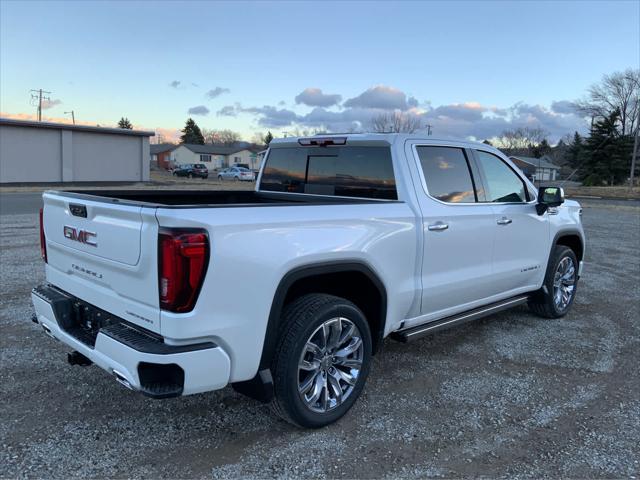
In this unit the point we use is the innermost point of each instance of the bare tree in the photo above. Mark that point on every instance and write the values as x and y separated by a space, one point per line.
621 91
522 139
221 137
395 122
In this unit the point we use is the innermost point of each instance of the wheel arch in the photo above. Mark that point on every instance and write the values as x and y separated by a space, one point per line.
353 280
573 240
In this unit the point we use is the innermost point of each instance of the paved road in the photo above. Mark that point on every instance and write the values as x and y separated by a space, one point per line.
20 203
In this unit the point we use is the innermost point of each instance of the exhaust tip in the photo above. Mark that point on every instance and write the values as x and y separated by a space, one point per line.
122 380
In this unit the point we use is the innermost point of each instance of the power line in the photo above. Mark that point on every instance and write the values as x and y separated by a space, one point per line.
40 95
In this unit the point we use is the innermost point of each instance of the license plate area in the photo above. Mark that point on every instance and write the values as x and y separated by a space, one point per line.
79 319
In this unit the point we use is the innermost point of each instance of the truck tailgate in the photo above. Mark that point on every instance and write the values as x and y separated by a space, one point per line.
105 254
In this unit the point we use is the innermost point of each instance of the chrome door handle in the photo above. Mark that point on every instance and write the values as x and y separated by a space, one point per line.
504 221
438 226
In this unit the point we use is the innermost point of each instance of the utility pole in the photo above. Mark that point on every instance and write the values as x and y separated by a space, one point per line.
73 117
40 95
633 159
428 129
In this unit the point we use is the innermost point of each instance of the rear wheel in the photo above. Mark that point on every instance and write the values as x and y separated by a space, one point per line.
237 179
558 291
219 178
322 360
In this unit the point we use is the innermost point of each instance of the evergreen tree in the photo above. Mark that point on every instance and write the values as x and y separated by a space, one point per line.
191 133
487 142
606 153
125 123
575 151
542 149
267 138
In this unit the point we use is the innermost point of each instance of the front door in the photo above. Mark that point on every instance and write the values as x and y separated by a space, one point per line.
522 236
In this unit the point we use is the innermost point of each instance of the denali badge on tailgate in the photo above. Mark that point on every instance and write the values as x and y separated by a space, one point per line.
79 235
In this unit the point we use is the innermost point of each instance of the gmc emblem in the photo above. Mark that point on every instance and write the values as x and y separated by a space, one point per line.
82 236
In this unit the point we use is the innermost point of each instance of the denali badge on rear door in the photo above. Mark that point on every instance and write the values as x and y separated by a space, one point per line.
79 235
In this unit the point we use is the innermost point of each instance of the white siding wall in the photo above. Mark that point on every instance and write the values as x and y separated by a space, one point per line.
60 154
244 156
182 155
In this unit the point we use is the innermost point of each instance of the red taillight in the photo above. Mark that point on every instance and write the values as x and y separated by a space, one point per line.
183 256
43 242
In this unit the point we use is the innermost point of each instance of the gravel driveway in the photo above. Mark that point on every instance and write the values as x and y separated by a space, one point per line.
508 396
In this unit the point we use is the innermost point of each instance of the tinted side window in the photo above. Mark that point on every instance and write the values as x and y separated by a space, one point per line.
365 172
447 174
503 185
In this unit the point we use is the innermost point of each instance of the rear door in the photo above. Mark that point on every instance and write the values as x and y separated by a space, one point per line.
522 236
105 253
458 232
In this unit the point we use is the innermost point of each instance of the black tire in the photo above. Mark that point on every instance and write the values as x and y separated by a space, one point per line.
299 320
542 302
236 179
175 174
219 178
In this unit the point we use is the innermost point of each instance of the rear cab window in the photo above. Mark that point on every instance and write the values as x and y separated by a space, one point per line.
346 171
447 174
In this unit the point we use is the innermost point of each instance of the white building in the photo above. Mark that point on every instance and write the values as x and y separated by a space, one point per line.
214 157
57 152
537 169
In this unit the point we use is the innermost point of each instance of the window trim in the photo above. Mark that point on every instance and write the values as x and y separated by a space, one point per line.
475 168
423 180
531 198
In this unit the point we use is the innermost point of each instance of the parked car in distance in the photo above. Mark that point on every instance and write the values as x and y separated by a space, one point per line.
237 174
191 170
345 240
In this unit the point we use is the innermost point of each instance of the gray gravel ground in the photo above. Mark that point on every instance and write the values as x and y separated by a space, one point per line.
509 396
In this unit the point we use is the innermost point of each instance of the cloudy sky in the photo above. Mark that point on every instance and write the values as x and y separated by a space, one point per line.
469 69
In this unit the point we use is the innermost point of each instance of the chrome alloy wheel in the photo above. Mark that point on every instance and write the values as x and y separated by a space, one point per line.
564 283
329 365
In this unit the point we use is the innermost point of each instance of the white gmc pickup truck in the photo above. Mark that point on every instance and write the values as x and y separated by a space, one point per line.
287 291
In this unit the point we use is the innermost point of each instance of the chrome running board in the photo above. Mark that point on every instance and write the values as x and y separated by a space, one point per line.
424 329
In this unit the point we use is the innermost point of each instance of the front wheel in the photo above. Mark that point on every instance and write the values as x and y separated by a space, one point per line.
322 360
558 291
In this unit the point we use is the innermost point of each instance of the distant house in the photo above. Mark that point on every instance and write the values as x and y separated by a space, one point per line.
537 169
160 153
213 156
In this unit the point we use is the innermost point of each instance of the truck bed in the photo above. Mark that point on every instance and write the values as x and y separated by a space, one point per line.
205 198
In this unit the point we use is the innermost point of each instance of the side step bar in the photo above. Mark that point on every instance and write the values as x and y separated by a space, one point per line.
420 331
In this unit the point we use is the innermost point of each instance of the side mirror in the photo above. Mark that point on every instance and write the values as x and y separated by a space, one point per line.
549 197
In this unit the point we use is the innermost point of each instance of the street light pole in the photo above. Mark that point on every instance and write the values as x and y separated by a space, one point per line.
73 117
633 159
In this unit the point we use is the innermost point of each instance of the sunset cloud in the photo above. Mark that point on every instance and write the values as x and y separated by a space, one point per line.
314 97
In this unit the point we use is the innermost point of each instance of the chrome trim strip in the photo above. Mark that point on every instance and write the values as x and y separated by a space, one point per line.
416 332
